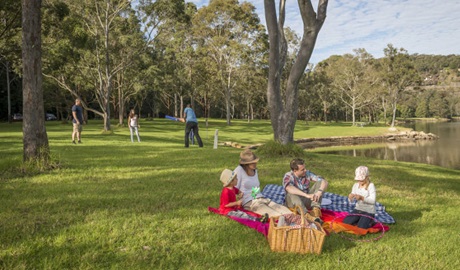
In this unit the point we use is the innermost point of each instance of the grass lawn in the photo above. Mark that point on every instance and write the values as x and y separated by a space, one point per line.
113 204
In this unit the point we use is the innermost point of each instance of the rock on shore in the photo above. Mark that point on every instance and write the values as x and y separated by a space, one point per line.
351 140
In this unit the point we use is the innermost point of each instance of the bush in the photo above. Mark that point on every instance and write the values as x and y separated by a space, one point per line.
276 149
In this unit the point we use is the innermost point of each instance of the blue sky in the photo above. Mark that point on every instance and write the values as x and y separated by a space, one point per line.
419 26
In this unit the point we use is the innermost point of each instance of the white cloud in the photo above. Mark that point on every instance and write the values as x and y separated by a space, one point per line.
419 26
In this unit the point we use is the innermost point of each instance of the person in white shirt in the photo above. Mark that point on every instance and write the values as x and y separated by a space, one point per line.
248 183
363 192
133 123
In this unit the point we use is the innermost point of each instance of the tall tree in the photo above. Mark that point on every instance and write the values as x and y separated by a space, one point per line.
35 138
283 117
319 82
227 30
107 40
353 77
398 73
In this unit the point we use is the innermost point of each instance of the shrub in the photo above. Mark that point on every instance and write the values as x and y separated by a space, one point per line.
276 149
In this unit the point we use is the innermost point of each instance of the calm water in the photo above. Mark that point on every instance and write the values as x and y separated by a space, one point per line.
444 152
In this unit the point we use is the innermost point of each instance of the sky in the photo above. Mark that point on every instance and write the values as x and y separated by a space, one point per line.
419 26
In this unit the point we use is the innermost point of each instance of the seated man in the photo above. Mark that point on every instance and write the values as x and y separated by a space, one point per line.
296 184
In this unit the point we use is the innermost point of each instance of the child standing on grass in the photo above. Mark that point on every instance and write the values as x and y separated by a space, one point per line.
229 205
363 192
133 123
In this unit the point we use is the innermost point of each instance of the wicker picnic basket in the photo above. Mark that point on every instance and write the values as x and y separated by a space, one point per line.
298 239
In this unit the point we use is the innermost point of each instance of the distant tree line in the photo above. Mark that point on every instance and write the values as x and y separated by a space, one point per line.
157 56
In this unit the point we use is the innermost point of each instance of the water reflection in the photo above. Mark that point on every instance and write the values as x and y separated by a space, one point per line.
442 152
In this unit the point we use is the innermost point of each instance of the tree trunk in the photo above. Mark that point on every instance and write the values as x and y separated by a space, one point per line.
228 106
176 114
393 119
121 103
35 138
325 112
353 117
181 114
108 75
8 87
284 118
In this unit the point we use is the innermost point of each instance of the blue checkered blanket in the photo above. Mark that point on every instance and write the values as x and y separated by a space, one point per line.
339 203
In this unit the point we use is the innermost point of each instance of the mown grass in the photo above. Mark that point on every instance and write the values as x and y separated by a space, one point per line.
113 204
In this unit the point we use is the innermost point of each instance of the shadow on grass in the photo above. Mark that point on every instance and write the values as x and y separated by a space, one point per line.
404 217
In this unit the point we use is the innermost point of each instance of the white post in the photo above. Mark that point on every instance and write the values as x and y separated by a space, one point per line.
216 138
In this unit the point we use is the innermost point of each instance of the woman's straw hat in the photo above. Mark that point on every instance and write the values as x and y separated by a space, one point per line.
248 157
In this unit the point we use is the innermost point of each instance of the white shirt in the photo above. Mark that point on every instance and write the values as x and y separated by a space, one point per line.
246 183
133 121
368 204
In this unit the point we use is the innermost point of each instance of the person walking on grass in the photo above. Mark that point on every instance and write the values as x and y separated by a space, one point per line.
133 123
364 194
230 199
296 184
191 124
77 121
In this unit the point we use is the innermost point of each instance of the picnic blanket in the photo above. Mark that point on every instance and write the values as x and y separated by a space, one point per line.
256 225
333 222
338 203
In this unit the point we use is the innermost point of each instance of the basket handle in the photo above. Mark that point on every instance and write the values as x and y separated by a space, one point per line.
302 219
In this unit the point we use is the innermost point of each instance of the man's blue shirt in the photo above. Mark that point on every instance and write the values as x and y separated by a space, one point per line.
191 117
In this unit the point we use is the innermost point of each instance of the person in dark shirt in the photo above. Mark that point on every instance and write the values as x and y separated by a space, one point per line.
77 114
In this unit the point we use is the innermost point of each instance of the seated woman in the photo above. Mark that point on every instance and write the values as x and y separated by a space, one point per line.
364 194
247 180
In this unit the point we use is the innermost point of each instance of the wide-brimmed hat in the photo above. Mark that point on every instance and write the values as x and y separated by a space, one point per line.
248 157
361 173
227 176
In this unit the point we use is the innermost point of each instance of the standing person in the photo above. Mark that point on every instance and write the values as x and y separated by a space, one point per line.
363 192
77 114
229 205
248 179
191 123
296 184
133 123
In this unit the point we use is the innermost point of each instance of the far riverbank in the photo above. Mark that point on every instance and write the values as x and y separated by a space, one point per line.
309 143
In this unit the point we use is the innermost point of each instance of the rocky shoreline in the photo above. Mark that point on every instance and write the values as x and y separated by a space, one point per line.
309 143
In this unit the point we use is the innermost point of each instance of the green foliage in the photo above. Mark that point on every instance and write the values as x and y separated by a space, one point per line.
422 108
276 149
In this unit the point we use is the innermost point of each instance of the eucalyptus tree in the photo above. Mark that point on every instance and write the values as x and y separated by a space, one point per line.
131 55
35 139
167 31
353 78
226 30
252 85
107 41
251 91
398 73
319 82
284 114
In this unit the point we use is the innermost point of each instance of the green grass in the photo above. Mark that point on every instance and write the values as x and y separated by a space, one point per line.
113 204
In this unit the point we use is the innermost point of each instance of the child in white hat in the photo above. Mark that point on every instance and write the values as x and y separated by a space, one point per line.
229 205
363 192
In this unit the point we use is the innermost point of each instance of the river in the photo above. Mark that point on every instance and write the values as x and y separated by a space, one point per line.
444 152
